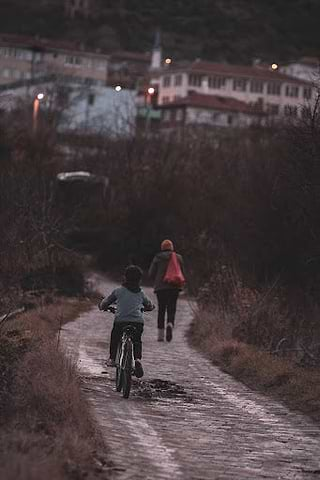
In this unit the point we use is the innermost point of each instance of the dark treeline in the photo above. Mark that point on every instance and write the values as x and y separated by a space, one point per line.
221 30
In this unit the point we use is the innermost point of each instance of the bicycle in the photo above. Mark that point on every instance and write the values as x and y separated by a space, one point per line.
124 361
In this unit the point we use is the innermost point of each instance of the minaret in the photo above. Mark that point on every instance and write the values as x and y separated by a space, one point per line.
156 56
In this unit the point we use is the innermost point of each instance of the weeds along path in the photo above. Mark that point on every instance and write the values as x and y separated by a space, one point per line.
186 419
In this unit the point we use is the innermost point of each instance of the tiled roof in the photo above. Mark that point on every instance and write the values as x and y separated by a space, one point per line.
213 102
140 57
311 61
24 41
229 70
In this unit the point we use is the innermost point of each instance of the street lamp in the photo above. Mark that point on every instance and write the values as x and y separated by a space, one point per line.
150 92
36 108
118 88
274 66
168 61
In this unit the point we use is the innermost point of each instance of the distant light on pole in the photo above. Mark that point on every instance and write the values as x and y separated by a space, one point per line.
151 90
274 66
118 88
36 108
168 61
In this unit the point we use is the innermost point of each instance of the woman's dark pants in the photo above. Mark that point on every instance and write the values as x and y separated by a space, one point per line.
116 334
167 303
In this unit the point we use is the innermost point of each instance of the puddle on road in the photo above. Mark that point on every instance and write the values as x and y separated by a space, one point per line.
153 389
157 389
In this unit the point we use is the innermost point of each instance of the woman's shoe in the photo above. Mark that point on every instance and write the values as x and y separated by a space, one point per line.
160 334
169 332
110 363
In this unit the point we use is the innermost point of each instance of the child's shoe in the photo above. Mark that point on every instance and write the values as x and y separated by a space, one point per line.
138 370
169 332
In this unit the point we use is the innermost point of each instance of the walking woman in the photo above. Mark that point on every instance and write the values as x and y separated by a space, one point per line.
167 293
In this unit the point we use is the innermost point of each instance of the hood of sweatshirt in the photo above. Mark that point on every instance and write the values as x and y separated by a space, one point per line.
132 287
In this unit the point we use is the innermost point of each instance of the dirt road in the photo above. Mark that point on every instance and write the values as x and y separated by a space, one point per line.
186 419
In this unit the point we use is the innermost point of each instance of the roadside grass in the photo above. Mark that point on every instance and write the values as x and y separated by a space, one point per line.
47 428
298 387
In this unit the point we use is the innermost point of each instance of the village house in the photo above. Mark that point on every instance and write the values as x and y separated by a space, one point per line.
306 68
272 92
199 110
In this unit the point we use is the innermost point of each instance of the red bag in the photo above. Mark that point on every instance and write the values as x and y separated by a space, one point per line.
174 275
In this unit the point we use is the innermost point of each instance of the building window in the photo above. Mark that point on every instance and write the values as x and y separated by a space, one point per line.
6 73
290 111
292 91
215 116
256 86
91 99
176 97
217 82
166 81
73 60
239 84
274 88
179 115
166 116
230 119
272 109
165 99
307 93
195 80
8 52
178 80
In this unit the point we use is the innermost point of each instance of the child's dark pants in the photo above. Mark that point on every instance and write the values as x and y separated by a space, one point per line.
116 334
167 302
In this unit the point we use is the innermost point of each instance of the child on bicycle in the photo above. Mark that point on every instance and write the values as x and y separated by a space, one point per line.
131 301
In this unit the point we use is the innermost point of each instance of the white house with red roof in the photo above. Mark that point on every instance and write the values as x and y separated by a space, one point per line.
306 68
272 92
198 109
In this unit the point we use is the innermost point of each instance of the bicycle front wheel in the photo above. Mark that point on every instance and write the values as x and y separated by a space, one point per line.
119 371
127 371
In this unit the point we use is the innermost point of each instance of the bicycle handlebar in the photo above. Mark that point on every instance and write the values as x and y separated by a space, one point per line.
114 309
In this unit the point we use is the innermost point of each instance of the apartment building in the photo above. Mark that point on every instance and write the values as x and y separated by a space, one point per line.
25 58
272 92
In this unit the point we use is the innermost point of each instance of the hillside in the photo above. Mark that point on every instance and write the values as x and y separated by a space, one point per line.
232 30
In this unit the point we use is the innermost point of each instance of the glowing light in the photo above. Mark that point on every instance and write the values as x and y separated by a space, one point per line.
40 96
274 66
118 88
151 90
168 61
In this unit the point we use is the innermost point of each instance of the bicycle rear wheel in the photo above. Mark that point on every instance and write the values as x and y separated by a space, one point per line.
127 371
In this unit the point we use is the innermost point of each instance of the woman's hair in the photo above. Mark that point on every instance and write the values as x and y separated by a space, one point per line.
133 274
166 245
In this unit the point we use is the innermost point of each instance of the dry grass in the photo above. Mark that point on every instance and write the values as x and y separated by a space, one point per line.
47 429
298 387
